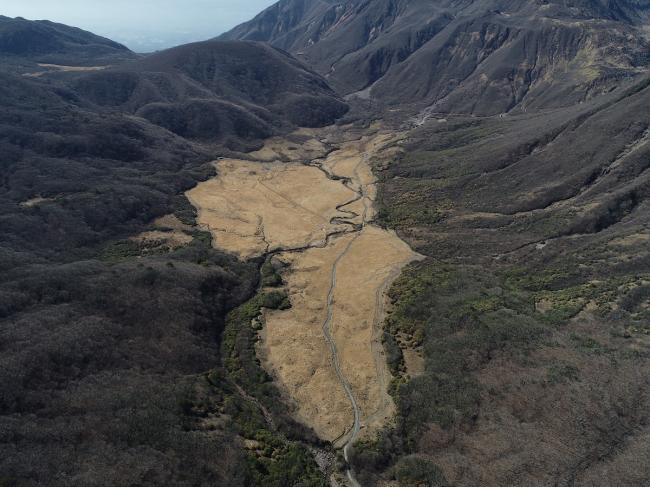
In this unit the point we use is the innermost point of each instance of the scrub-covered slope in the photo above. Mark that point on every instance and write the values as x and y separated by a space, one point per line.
113 302
531 313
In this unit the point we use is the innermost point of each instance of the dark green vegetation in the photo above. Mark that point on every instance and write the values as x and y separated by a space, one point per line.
532 310
414 472
99 366
476 56
110 347
279 455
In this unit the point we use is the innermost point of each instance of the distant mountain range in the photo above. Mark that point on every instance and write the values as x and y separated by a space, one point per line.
213 90
208 90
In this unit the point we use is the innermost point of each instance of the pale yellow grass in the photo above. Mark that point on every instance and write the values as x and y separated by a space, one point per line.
253 208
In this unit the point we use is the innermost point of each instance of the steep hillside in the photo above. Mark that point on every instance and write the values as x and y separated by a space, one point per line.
134 350
475 56
48 42
519 347
80 348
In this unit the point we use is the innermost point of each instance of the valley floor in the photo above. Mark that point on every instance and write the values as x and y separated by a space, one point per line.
311 215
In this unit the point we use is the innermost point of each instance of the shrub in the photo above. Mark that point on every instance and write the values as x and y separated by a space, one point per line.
270 277
276 300
418 472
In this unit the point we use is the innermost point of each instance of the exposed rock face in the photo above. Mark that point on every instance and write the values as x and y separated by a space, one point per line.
475 56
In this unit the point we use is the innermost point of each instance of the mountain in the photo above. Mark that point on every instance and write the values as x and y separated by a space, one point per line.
475 56
524 182
510 141
48 42
113 301
214 90
531 311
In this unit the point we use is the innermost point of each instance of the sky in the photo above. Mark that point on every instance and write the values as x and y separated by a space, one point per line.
142 25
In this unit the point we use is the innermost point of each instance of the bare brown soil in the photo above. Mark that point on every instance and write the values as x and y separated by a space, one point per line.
173 223
168 232
172 240
304 145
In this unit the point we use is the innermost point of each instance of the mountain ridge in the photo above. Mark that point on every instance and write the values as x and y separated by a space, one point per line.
501 54
131 340
113 300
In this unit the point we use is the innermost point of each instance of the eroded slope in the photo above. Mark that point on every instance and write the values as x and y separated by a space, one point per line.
475 56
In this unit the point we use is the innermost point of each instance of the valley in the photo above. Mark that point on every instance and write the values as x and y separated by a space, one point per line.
388 243
314 220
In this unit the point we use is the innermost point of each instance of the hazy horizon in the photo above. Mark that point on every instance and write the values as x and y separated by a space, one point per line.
146 26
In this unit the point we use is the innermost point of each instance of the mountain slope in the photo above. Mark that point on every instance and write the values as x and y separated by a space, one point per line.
48 42
113 301
473 56
519 346
214 90
531 311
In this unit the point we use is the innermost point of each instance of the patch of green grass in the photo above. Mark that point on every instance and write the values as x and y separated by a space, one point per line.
122 249
408 215
523 278
290 464
588 345
418 472
185 211
275 300
394 354
201 237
